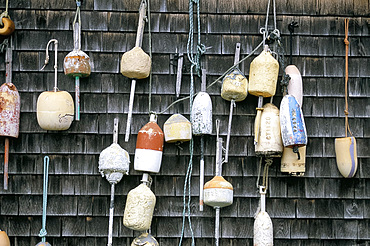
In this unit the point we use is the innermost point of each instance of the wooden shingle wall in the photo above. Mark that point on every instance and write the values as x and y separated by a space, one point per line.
320 208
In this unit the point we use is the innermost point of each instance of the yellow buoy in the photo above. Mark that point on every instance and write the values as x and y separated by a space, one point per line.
234 86
263 75
177 128
290 162
346 156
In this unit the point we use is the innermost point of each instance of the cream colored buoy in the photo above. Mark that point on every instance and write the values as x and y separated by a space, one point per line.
346 156
55 109
149 147
139 208
295 87
136 64
4 239
270 143
145 239
290 162
218 192
177 128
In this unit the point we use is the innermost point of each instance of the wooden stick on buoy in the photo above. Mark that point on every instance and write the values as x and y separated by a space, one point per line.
139 41
179 73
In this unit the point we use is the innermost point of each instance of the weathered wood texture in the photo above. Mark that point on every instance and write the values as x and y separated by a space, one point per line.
320 208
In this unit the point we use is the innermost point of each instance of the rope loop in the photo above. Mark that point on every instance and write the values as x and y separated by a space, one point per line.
78 3
43 233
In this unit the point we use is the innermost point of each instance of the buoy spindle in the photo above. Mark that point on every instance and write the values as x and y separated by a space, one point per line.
77 46
111 213
6 163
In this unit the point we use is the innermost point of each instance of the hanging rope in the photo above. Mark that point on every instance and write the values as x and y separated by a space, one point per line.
150 55
43 232
5 13
346 42
77 15
265 175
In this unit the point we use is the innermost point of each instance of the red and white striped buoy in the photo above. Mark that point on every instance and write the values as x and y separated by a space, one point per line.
149 147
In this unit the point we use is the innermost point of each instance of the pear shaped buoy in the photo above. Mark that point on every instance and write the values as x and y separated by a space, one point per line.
149 147
263 228
295 87
10 110
4 239
177 129
55 109
139 208
263 75
145 239
269 143
293 128
346 156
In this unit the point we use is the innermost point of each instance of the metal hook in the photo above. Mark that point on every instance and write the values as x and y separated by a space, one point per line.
56 61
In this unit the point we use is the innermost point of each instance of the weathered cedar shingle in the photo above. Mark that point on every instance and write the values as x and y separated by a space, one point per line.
320 229
74 226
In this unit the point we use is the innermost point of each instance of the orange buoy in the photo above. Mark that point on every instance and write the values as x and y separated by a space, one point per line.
4 239
8 27
149 147
218 192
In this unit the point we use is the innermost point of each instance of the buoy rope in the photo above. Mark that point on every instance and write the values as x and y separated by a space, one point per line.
5 13
150 55
77 15
346 42
264 184
43 232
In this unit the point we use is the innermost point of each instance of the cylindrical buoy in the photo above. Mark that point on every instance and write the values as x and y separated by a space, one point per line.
139 208
145 239
8 27
218 192
295 87
114 162
77 64
293 128
136 64
263 75
10 110
346 156
149 147
234 86
291 164
270 143
263 228
202 114
55 110
4 239
177 128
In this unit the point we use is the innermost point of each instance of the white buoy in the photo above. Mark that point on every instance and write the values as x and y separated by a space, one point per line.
295 87
346 156
263 228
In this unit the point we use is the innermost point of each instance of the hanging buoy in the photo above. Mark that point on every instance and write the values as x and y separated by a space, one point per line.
218 192
346 156
291 164
269 143
43 244
136 64
263 228
295 87
234 89
293 128
145 239
9 110
202 114
55 109
177 128
263 75
139 208
4 239
149 147
8 26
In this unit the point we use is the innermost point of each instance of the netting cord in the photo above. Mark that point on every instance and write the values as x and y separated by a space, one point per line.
43 232
346 42
5 13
